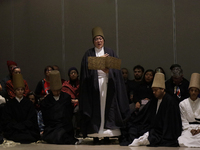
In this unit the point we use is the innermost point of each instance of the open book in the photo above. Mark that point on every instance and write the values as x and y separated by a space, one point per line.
99 63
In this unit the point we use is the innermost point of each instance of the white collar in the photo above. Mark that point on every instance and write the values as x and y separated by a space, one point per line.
19 99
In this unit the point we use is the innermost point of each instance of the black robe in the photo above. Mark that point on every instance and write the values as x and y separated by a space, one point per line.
164 127
117 103
57 117
19 121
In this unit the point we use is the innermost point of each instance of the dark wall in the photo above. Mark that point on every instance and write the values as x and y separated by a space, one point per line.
37 33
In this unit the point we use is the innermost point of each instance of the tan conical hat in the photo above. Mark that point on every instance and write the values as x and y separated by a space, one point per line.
195 81
18 81
97 31
55 80
159 80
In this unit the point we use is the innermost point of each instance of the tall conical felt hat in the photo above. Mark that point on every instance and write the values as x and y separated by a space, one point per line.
159 80
97 31
18 81
55 80
195 81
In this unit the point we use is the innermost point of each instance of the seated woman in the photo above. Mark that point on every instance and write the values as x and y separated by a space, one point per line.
19 120
57 114
9 84
190 115
33 98
72 88
43 86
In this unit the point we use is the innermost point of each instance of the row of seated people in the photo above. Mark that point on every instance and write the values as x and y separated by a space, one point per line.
71 87
50 136
139 90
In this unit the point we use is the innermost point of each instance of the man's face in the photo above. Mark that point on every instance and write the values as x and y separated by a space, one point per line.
98 42
158 92
17 71
194 92
19 92
73 75
138 74
125 74
177 80
56 92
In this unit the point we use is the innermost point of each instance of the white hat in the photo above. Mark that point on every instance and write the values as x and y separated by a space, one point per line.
55 80
159 80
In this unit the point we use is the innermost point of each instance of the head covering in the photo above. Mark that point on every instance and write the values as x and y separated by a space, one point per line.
195 80
70 69
55 80
175 65
97 31
18 81
159 80
9 63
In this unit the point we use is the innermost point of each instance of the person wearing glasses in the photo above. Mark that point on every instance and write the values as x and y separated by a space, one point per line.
103 101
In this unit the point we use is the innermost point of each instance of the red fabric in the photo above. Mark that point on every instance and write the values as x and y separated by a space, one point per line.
46 88
10 89
9 63
73 91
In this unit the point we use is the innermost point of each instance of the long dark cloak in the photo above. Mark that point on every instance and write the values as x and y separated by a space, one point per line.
164 126
117 103
57 117
19 121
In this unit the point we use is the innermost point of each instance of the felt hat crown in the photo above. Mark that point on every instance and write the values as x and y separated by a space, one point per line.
55 80
18 81
195 80
159 80
97 31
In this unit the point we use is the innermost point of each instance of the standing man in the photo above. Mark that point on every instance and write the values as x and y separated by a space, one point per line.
103 99
177 85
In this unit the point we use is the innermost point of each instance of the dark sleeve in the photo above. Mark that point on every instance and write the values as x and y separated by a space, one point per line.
3 92
39 88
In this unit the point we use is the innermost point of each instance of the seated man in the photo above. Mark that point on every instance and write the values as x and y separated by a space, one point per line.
159 124
57 113
177 85
190 115
19 120
9 84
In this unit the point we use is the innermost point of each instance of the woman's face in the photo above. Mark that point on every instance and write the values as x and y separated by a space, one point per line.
98 42
149 76
32 98
73 75
48 71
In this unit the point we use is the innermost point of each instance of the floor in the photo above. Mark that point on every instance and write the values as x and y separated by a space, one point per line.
85 145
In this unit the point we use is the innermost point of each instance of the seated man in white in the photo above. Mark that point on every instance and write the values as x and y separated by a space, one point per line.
190 115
